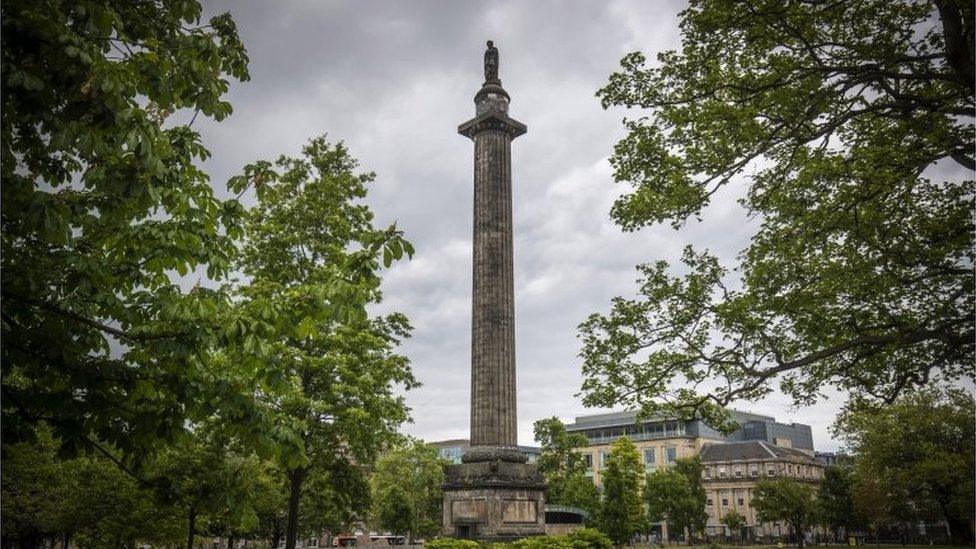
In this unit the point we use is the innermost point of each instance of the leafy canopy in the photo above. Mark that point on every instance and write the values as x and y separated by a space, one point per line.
669 499
327 370
921 452
849 125
564 467
103 203
835 498
406 490
622 511
786 500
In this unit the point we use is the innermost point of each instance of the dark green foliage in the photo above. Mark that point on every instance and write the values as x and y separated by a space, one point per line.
583 538
622 511
734 521
327 369
850 126
103 203
693 470
918 455
789 501
677 497
564 467
835 499
668 496
451 543
589 538
394 513
406 489
87 499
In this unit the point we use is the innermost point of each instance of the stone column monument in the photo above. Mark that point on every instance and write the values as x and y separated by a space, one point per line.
494 494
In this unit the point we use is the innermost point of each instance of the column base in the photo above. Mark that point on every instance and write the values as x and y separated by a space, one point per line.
494 501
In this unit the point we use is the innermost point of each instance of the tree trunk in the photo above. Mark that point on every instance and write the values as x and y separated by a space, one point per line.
295 478
65 538
798 532
192 529
230 542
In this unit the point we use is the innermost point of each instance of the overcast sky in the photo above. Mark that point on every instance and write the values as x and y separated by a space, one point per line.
393 80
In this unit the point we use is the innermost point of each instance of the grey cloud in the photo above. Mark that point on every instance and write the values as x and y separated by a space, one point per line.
393 80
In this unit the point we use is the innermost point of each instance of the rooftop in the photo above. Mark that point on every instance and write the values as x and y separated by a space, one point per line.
628 417
749 450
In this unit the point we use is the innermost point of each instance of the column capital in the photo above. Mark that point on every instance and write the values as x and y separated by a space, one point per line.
492 121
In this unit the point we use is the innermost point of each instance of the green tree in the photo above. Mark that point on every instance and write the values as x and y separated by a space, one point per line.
394 512
735 522
87 500
693 470
270 504
33 482
103 203
333 498
871 504
789 501
106 507
326 368
921 452
578 490
836 500
213 488
407 480
564 467
853 140
668 496
622 512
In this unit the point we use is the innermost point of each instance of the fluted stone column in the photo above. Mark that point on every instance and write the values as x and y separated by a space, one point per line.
493 413
493 495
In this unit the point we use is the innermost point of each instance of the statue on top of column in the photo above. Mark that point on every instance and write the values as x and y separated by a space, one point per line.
491 62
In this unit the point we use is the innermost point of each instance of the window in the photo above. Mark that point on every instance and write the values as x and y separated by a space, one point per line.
709 502
789 469
738 473
721 471
671 454
708 472
588 460
754 472
649 458
603 459
771 472
725 502
742 501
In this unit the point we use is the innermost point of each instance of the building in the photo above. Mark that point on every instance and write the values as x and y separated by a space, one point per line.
453 449
760 448
731 472
833 458
662 441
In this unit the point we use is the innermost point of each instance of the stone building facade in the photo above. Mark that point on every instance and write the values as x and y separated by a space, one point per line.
662 441
732 471
761 448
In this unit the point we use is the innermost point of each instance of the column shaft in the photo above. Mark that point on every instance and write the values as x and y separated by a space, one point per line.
493 415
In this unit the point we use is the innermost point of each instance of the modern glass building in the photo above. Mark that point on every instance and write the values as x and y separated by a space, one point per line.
661 441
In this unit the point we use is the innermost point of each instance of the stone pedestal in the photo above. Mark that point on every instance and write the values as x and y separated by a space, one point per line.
494 501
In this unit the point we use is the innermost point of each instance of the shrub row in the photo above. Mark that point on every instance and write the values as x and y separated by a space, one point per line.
584 538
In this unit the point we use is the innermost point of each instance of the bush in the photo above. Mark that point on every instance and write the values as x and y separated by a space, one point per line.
451 543
589 538
584 538
543 542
